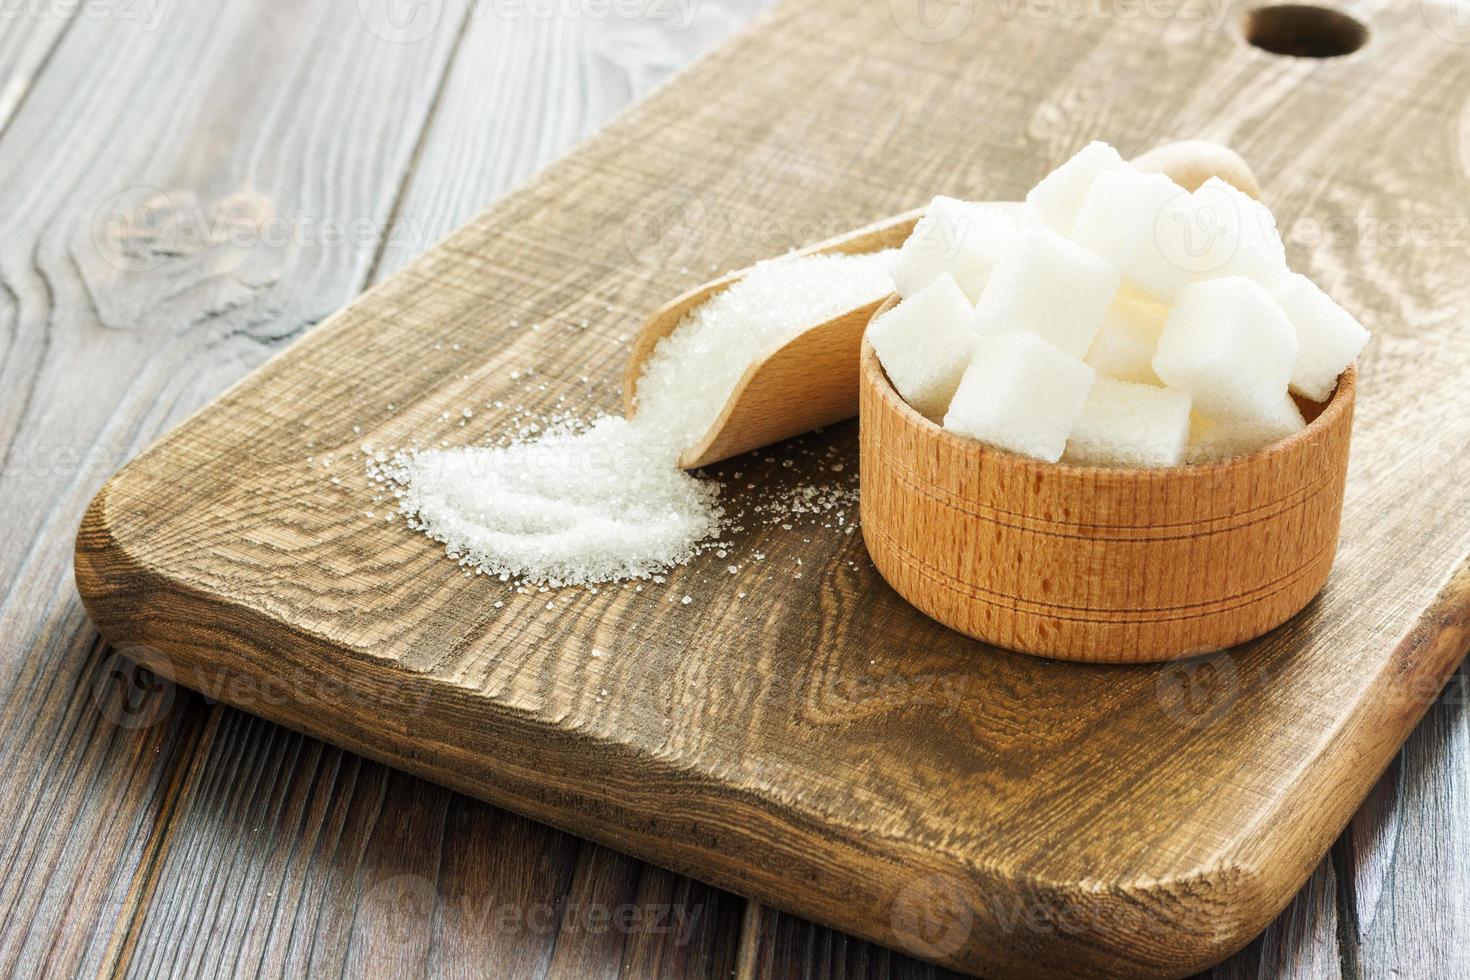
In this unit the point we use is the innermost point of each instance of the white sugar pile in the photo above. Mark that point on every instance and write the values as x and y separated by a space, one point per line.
588 506
608 502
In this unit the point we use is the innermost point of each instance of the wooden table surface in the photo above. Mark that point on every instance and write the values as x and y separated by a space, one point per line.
306 151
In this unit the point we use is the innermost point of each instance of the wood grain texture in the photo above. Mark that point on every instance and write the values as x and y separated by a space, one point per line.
524 88
282 893
1092 564
102 350
786 947
1184 889
519 92
25 45
1405 852
302 860
1303 941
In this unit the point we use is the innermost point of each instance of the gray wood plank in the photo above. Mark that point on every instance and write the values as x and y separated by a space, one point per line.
1408 853
196 320
1302 944
523 90
166 197
785 947
366 867
28 35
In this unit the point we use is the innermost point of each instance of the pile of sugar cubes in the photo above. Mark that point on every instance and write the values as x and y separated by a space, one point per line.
1120 321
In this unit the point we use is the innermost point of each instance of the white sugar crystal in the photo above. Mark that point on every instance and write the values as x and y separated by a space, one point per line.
1125 220
924 344
1329 337
957 237
563 505
1220 437
1050 287
1127 424
1125 343
1022 394
1055 201
1228 344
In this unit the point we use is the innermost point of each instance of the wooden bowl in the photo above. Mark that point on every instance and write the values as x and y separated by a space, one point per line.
1093 564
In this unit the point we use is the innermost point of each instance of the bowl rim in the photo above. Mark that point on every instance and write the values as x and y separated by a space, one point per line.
1342 399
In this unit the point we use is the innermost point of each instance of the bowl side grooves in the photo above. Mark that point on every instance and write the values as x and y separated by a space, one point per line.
1107 565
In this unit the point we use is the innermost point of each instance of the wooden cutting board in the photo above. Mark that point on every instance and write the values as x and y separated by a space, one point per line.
817 743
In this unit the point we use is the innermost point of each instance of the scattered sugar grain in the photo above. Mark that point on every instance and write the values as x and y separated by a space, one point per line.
563 504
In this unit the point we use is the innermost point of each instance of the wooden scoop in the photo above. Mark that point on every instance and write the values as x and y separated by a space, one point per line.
809 378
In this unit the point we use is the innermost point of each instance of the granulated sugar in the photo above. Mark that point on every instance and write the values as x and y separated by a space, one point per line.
691 372
568 507
573 505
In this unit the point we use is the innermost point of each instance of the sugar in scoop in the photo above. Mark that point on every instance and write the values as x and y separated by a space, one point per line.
605 502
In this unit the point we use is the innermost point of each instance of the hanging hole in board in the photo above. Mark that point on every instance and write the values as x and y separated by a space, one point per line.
1304 31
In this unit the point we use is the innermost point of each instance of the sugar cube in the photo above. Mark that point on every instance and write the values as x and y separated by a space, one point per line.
1220 231
1329 337
957 237
1055 200
1126 341
1022 394
1049 286
1229 345
925 342
1221 437
1121 221
1128 424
